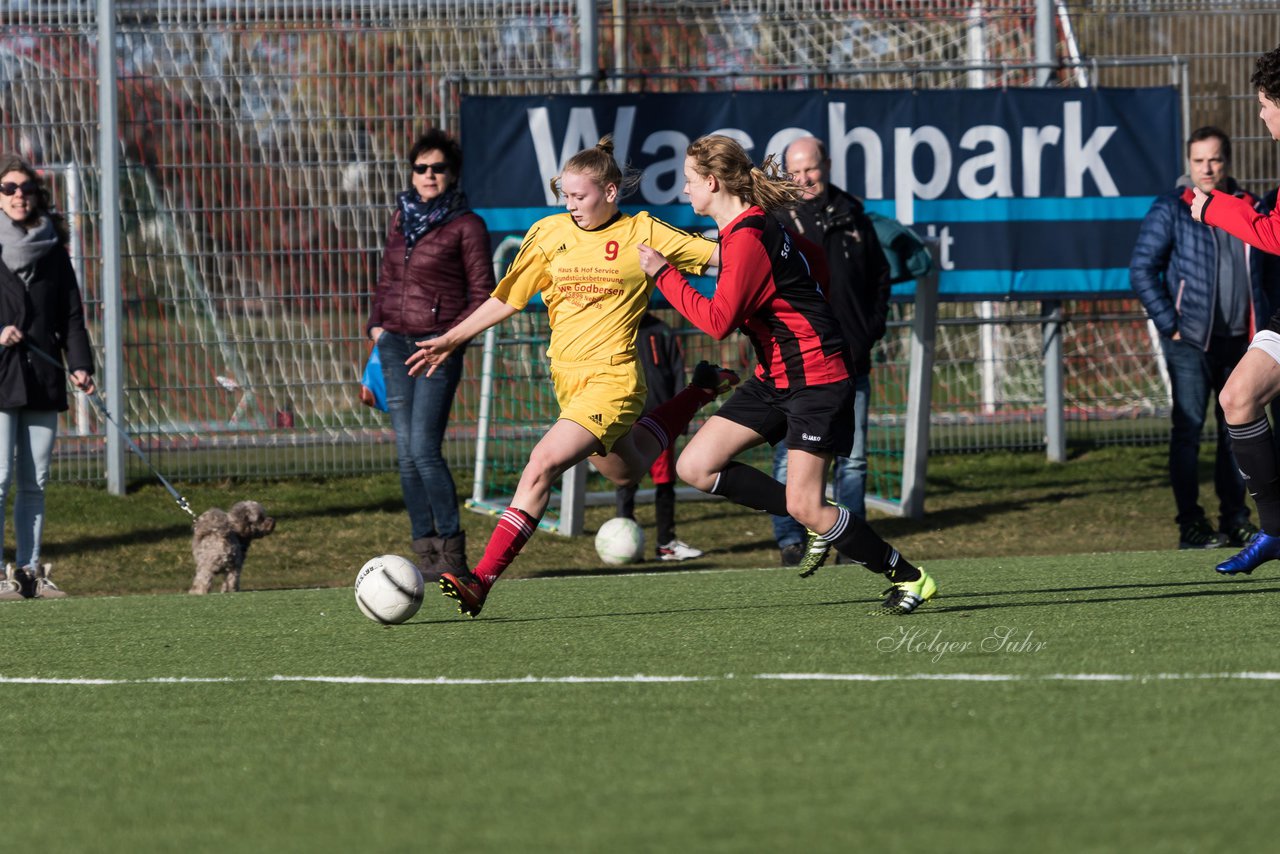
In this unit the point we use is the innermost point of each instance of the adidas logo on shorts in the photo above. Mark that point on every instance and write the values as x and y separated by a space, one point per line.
599 419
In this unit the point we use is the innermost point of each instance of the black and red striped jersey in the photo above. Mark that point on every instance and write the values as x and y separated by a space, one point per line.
769 290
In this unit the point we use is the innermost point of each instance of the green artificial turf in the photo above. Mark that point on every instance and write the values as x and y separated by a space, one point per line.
1081 703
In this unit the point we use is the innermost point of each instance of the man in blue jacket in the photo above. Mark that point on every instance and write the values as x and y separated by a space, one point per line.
1202 288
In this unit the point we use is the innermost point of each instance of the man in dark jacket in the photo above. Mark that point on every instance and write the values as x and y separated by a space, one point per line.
1202 288
859 294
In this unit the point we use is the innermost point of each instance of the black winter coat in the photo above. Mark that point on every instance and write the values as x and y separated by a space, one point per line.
859 274
50 314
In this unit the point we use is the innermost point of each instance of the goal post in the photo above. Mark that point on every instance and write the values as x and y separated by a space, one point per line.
915 450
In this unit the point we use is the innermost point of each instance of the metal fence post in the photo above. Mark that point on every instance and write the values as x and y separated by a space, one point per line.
573 500
109 199
588 45
924 333
1055 436
483 413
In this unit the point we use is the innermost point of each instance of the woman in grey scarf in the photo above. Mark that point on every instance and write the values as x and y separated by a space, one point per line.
40 310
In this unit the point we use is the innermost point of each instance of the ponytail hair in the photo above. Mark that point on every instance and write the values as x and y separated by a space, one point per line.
766 185
598 164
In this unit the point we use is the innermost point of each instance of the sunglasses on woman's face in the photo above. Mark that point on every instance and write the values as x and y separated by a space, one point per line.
9 188
437 168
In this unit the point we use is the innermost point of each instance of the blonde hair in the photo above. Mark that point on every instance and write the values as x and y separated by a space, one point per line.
767 185
598 164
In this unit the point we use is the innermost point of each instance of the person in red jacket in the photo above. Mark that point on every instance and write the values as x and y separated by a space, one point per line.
801 390
436 270
1255 382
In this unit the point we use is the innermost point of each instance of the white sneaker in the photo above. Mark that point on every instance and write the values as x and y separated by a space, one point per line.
678 550
45 588
10 588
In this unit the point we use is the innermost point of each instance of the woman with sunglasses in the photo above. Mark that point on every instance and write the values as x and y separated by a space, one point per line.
41 326
584 265
436 270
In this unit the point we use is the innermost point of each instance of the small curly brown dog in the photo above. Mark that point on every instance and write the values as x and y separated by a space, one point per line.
221 541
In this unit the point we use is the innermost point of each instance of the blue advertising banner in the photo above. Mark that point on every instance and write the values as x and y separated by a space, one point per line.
1032 193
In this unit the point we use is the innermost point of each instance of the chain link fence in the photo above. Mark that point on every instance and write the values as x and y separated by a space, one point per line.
261 144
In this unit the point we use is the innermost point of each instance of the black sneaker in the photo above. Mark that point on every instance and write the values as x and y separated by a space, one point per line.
792 554
1241 534
1200 535
26 581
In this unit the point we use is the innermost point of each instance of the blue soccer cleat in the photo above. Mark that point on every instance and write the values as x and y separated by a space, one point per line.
1263 548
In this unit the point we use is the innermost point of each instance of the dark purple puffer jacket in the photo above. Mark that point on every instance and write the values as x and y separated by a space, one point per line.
445 277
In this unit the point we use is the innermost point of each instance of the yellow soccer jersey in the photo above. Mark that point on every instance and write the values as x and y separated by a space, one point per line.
591 281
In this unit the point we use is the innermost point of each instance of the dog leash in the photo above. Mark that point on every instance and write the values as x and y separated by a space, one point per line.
133 446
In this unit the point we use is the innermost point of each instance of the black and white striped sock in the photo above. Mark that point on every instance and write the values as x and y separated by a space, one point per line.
855 539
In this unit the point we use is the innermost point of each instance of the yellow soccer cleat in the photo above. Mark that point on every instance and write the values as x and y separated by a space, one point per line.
905 596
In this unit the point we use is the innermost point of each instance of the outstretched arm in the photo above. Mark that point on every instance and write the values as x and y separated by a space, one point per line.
434 351
737 290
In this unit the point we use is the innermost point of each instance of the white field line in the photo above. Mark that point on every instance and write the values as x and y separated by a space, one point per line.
640 678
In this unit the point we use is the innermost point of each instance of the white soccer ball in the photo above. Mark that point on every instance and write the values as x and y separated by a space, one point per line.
389 589
620 541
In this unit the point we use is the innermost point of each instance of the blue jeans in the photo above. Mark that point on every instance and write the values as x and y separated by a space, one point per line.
849 480
419 409
26 446
1193 373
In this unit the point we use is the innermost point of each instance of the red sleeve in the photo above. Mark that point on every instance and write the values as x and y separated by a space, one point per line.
744 284
1237 217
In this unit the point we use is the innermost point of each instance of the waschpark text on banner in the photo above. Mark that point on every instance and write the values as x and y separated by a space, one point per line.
1031 193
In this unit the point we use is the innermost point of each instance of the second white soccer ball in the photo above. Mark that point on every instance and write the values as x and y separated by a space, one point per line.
389 589
620 541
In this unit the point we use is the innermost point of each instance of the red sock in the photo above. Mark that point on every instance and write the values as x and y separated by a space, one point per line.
672 418
515 527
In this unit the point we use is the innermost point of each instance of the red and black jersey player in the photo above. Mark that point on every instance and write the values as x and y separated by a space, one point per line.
801 389
1255 381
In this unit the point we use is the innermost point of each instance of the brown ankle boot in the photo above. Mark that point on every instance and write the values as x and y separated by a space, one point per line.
427 550
453 553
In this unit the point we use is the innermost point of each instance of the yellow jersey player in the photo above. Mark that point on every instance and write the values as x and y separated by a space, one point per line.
586 266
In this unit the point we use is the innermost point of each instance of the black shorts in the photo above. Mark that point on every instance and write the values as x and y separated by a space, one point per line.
816 418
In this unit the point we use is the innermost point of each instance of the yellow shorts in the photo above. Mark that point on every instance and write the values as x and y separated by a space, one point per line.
604 398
